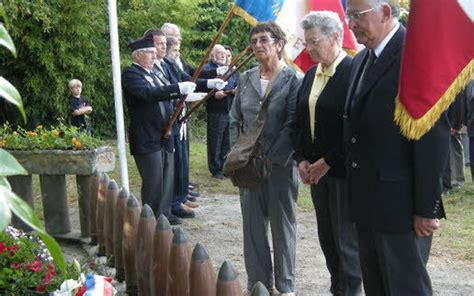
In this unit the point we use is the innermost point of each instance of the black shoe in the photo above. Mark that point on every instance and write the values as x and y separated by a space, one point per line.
191 198
194 194
174 220
182 213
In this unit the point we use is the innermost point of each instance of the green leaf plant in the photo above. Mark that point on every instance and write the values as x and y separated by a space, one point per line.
9 166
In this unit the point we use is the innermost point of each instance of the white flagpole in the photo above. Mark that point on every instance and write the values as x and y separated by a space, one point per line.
114 46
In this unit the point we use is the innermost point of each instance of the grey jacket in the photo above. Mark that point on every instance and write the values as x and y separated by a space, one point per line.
281 110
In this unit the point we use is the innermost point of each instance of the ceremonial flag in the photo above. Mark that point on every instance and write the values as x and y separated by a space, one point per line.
437 61
290 18
288 14
255 11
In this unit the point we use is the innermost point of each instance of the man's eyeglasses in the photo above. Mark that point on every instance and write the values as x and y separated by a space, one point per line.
313 42
262 41
356 15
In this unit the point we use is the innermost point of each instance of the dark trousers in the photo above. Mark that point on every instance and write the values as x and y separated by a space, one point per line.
217 141
181 172
471 156
150 167
337 235
446 178
394 263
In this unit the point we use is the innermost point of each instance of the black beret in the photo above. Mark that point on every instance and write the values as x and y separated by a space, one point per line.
140 43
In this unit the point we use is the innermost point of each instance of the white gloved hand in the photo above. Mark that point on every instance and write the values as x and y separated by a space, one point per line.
216 83
187 87
221 70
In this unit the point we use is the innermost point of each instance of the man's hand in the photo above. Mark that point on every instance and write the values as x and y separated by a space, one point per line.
424 226
303 168
186 87
317 170
220 95
216 83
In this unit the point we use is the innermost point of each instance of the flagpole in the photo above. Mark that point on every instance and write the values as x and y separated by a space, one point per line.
114 46
180 105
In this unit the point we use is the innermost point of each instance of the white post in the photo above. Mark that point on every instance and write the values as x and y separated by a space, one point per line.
114 46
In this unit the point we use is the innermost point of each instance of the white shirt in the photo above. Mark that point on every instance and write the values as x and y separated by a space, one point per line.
378 50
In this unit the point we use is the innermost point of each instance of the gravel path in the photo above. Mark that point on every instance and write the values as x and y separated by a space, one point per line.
218 227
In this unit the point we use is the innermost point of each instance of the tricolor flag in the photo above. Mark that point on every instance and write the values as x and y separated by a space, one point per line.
437 61
288 15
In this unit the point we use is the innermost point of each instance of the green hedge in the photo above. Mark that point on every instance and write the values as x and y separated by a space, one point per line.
64 39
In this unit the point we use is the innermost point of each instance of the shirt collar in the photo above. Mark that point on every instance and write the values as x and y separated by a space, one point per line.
148 71
329 71
378 50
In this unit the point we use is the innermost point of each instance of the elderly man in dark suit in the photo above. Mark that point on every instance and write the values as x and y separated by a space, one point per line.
168 73
149 109
394 184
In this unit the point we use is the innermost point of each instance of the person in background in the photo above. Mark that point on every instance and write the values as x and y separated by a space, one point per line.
394 184
454 168
319 150
218 107
469 96
79 106
273 202
228 52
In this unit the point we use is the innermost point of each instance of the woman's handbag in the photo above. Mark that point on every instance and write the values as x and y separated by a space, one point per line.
246 164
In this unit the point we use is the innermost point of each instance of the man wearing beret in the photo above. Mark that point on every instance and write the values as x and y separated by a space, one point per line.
148 100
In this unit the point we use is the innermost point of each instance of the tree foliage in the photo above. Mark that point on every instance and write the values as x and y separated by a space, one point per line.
63 39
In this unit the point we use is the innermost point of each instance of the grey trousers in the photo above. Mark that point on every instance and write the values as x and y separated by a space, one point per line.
456 155
337 235
273 202
168 180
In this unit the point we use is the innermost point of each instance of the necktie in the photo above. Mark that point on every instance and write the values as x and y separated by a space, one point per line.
164 67
368 64
160 73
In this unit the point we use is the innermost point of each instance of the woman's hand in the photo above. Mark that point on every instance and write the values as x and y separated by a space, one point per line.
303 168
317 170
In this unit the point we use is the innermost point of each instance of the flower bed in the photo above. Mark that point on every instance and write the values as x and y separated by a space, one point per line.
26 265
58 137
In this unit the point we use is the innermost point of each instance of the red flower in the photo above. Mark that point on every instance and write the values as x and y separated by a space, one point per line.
12 249
35 265
2 247
40 288
16 265
51 269
47 278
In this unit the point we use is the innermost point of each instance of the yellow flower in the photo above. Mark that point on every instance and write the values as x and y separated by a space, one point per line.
39 127
55 133
78 145
43 136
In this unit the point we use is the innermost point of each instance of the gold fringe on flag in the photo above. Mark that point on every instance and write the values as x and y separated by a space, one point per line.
414 129
244 14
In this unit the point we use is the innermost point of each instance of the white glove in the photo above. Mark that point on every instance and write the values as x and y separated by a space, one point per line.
221 70
194 97
216 83
187 87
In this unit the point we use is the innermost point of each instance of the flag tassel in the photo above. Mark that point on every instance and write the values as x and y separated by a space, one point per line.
414 129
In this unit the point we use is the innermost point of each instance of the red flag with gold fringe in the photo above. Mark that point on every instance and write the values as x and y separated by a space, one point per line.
437 61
